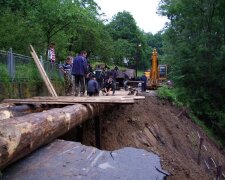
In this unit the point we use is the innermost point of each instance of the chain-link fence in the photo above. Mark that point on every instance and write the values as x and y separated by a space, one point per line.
17 66
18 72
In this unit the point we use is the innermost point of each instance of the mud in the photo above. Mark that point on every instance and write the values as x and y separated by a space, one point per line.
160 127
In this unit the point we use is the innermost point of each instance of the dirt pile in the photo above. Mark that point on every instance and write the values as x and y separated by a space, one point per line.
156 125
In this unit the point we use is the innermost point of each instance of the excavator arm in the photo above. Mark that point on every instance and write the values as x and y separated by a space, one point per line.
157 72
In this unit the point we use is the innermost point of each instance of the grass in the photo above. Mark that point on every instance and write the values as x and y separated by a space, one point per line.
170 94
4 73
26 78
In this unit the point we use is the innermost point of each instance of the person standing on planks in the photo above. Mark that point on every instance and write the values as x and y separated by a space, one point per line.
79 71
51 55
144 83
51 52
66 69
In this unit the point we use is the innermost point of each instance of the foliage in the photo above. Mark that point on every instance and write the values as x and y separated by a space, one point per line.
4 73
130 43
73 26
194 48
27 71
165 92
209 130
16 30
155 41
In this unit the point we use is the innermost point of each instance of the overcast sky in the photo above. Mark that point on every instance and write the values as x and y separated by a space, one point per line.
143 11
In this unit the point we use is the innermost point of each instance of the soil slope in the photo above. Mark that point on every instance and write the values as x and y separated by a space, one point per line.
157 126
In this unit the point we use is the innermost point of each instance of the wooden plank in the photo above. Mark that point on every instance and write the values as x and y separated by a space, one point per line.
94 97
43 73
44 77
37 61
70 101
74 100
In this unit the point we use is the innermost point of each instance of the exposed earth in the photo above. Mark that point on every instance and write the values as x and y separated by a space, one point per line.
160 127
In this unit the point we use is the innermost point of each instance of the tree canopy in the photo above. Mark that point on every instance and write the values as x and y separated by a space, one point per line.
194 47
72 25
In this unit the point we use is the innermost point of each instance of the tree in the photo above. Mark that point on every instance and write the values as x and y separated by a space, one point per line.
155 41
73 25
17 33
127 36
194 46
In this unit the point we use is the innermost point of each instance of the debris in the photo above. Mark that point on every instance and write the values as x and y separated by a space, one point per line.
212 160
207 165
163 172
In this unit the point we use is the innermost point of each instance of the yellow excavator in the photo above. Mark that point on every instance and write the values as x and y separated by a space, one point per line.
157 74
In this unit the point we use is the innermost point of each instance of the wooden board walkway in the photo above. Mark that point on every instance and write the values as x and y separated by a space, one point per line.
74 100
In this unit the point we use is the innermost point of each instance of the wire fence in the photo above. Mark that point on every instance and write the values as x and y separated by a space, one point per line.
18 67
20 78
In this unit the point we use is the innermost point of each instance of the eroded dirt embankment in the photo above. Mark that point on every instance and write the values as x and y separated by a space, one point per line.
158 126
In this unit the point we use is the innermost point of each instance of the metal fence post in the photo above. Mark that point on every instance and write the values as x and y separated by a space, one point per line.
60 72
42 63
11 63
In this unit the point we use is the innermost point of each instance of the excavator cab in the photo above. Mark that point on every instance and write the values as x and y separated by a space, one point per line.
162 72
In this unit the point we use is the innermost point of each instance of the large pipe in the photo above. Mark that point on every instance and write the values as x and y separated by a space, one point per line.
20 136
8 111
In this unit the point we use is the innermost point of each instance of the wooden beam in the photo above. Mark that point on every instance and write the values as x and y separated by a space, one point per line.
21 135
43 73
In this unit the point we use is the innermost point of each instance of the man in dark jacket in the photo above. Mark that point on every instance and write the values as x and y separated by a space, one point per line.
99 76
79 71
92 88
113 75
144 84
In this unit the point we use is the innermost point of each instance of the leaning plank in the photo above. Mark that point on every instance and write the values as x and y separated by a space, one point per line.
22 135
43 73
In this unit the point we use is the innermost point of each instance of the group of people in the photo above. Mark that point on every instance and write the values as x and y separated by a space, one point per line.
78 69
85 79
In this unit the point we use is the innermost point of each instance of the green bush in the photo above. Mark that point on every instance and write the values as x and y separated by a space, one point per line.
4 76
170 94
26 81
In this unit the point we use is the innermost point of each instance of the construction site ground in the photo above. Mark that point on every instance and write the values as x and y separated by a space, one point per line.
159 126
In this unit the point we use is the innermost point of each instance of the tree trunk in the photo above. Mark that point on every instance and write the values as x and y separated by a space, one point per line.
21 135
